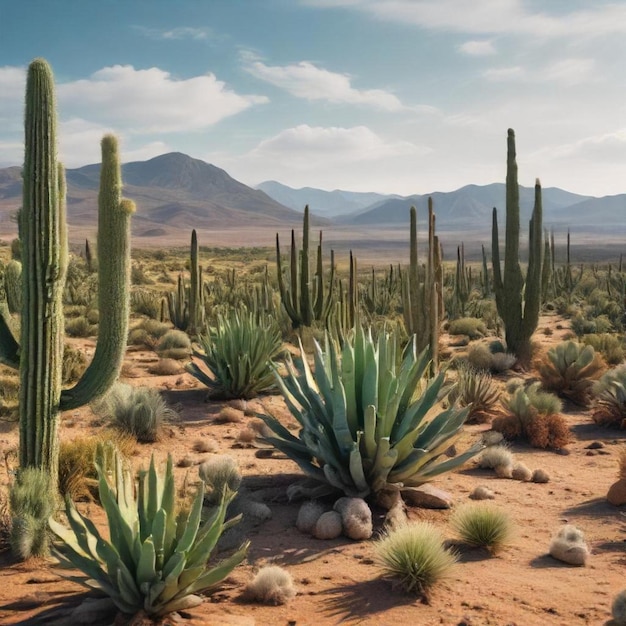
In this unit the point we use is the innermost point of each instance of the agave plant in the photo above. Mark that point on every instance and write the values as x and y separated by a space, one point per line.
238 354
154 560
362 429
570 371
610 398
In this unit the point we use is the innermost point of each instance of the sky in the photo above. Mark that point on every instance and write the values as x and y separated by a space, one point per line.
391 96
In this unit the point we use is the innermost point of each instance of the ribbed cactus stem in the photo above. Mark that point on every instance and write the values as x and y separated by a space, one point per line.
306 307
114 279
43 272
518 300
196 306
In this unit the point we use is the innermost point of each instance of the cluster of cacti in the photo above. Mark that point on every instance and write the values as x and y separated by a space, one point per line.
43 237
186 303
156 557
533 415
362 427
305 298
422 289
518 297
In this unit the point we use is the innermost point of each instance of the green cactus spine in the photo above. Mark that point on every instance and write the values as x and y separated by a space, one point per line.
518 299
43 234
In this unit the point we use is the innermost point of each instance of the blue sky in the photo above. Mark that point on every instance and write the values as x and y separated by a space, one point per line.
394 96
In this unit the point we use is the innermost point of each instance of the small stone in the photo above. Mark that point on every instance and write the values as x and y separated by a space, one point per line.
617 493
328 526
427 496
594 445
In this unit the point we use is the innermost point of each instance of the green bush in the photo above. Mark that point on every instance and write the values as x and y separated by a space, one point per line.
138 411
361 426
472 327
482 525
415 556
154 560
238 355
32 502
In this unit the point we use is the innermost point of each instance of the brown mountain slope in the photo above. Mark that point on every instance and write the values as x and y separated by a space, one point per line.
172 192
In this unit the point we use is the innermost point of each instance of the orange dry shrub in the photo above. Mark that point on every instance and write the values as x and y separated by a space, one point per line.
534 416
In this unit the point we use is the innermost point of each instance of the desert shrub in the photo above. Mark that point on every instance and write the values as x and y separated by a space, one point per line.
363 416
618 609
78 478
139 411
74 364
610 398
479 357
145 302
414 555
477 391
170 564
482 525
219 473
174 344
490 358
533 415
166 367
608 345
472 327
32 503
138 275
9 396
80 327
570 369
271 585
238 355
495 456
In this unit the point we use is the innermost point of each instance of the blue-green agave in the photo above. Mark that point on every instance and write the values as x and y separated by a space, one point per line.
366 422
155 559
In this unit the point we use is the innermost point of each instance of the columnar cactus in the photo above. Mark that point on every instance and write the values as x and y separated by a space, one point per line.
304 302
422 291
518 299
43 235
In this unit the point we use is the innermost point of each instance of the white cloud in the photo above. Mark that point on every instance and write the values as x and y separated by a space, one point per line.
505 73
305 80
149 101
491 16
327 157
180 32
477 48
565 73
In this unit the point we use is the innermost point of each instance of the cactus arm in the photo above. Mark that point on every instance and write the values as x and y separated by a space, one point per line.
532 292
9 348
114 276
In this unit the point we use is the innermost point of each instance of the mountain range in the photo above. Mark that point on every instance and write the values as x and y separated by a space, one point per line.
175 193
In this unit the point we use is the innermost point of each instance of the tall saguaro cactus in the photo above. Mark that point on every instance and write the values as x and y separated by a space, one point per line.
518 298
43 233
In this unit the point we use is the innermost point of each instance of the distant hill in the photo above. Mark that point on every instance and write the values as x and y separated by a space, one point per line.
172 190
467 208
330 204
